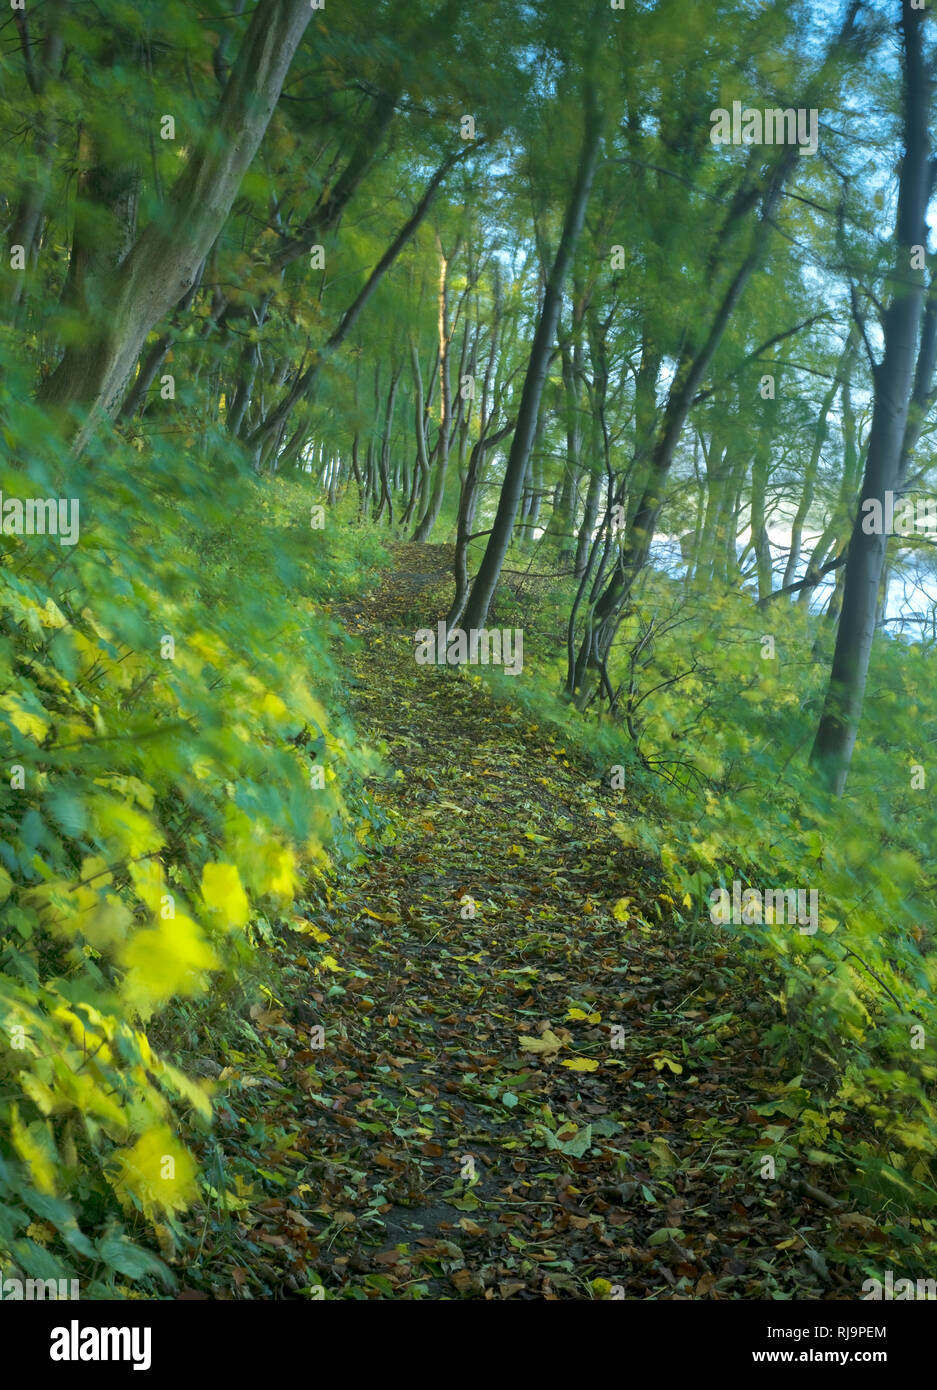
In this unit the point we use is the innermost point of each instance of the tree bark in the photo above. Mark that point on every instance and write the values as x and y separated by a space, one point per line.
163 264
759 527
28 220
486 580
444 332
894 381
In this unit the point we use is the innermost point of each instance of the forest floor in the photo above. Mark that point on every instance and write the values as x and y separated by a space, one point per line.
472 1127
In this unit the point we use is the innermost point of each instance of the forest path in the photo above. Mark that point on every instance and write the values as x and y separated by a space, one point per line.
642 1172
635 1164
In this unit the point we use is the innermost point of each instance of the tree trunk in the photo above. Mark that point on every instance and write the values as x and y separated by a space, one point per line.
813 463
164 262
835 533
434 505
692 369
486 581
28 220
304 383
385 501
894 379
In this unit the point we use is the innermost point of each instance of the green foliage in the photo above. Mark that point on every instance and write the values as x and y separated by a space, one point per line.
711 739
162 714
179 768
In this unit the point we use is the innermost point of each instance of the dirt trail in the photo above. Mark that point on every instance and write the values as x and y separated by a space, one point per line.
443 1155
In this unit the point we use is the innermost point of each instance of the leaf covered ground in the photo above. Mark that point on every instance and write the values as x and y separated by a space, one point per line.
529 1081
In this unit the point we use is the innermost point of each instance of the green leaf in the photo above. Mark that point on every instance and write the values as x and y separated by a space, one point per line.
119 1253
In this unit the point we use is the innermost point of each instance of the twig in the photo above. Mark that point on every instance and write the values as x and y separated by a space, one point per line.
824 1198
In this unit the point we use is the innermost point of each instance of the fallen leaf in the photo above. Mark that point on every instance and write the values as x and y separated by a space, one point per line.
547 1045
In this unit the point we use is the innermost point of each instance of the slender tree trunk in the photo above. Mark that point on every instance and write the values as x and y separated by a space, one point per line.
759 528
136 396
385 502
563 520
305 382
599 446
434 505
894 379
835 535
28 220
689 377
467 505
813 463
486 581
419 424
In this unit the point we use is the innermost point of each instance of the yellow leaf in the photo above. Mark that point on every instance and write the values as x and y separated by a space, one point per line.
273 706
80 1090
83 1032
277 871
166 960
301 924
129 831
192 1091
35 1146
547 1045
581 1064
580 1014
222 893
48 615
107 923
664 1160
26 721
622 910
158 1171
661 1060
129 788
